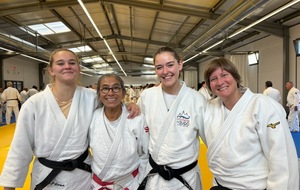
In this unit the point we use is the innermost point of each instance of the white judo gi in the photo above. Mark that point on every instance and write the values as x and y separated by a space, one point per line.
293 99
11 96
204 91
43 130
273 93
252 147
118 156
174 134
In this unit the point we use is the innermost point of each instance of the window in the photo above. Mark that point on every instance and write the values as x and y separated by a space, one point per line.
253 58
297 46
50 28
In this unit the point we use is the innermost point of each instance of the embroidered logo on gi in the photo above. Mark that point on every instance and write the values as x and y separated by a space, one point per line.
146 129
183 119
273 126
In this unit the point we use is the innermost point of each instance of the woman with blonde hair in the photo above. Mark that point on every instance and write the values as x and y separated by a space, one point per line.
53 128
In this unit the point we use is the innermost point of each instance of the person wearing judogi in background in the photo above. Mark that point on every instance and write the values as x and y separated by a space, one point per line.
24 95
204 91
53 128
249 145
32 91
11 98
293 100
272 92
119 145
174 114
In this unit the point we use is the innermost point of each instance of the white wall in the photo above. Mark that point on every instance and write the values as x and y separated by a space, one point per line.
270 64
19 68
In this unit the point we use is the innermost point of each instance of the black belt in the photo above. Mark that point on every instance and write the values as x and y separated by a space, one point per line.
168 173
219 187
66 165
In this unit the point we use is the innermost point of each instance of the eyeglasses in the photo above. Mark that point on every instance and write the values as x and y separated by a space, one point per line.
115 89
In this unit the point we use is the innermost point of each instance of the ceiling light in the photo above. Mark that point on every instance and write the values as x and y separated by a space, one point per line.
147 65
86 74
81 49
34 58
148 60
99 33
148 72
291 3
97 66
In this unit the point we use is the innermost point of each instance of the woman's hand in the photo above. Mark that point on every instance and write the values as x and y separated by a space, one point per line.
134 110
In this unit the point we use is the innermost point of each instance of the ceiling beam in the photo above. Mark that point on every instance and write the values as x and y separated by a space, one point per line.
32 7
113 36
166 8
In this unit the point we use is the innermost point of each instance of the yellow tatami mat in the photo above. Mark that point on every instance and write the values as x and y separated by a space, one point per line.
6 134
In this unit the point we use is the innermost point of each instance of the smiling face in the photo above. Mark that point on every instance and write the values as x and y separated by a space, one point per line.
223 84
167 68
64 67
223 79
110 92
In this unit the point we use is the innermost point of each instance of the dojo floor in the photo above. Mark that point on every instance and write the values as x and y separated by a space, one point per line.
6 134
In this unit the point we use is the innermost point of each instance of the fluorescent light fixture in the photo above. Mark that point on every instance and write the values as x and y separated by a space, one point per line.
213 46
81 49
147 65
30 57
104 72
253 58
92 59
148 60
86 74
97 66
148 72
50 28
6 49
192 57
291 3
25 30
99 33
34 58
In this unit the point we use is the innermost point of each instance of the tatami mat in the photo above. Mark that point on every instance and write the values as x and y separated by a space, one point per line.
6 134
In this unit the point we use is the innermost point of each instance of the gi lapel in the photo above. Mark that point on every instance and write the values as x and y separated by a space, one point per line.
168 120
68 123
115 144
227 124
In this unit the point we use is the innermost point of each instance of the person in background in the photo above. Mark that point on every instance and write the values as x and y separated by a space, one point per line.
24 95
131 93
32 91
11 98
293 101
119 145
53 128
249 145
204 91
174 114
272 92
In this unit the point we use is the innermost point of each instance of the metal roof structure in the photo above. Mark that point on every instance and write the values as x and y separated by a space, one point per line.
125 32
